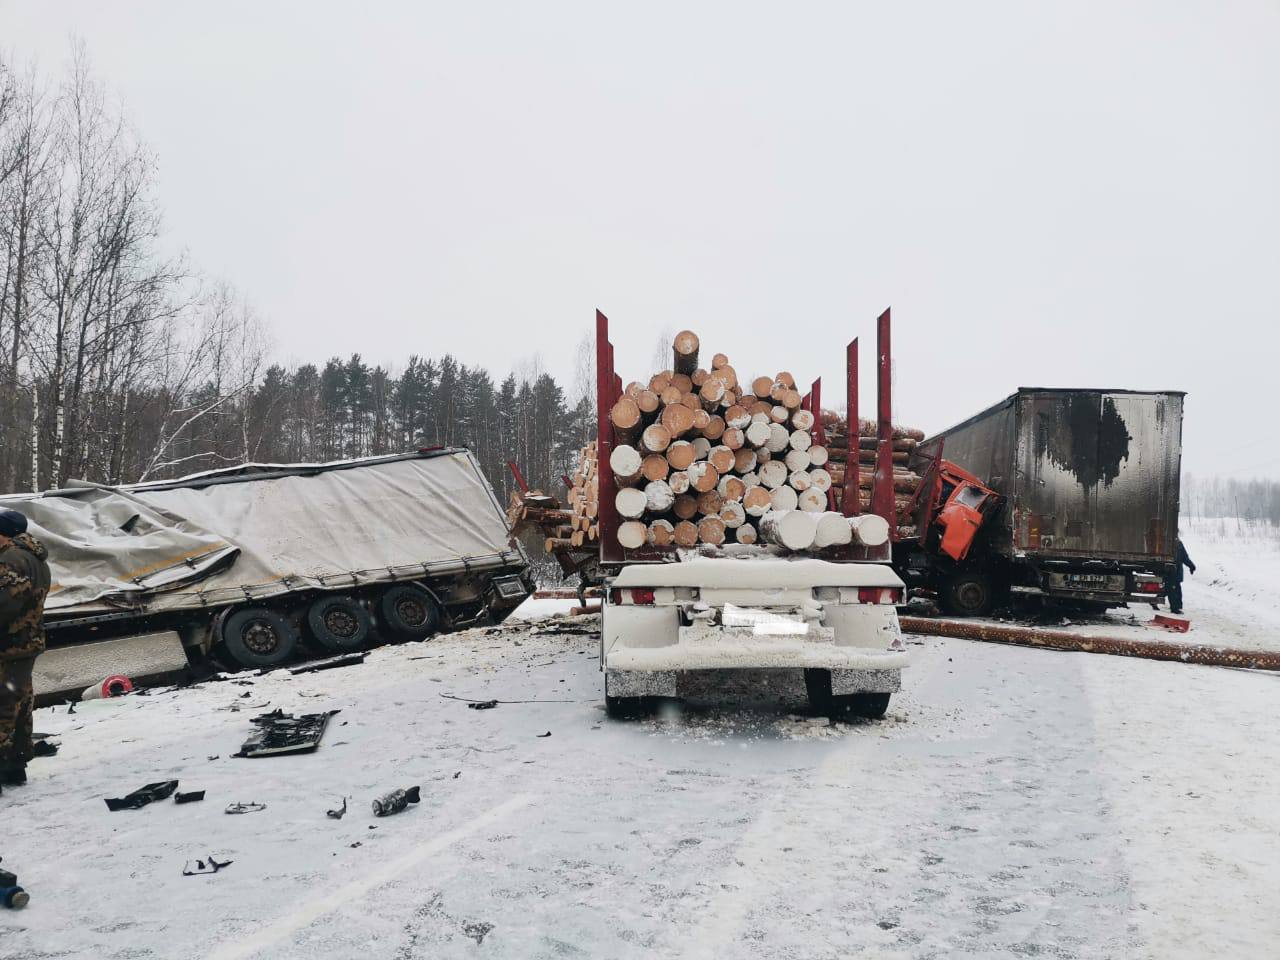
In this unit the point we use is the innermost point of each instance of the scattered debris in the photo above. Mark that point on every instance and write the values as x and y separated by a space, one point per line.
160 790
116 685
345 660
250 807
547 734
190 797
477 931
209 865
339 813
43 748
489 704
457 774
395 801
12 895
280 732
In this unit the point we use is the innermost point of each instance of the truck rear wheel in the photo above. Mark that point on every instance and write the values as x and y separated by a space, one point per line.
821 701
817 684
626 708
338 624
408 612
968 593
258 637
869 705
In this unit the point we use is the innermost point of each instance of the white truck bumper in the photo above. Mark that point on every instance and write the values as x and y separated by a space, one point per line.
645 650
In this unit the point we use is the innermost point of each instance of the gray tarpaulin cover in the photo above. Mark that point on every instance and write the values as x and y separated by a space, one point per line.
281 527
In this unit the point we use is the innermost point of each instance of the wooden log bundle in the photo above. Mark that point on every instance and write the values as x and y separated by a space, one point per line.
865 446
579 527
700 456
703 456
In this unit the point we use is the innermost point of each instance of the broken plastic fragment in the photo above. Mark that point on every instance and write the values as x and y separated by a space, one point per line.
209 865
395 801
142 796
250 807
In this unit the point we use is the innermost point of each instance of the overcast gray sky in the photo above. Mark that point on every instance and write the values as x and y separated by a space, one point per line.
1071 194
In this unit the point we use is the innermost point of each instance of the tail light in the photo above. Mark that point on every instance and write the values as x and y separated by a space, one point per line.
1150 587
879 595
636 595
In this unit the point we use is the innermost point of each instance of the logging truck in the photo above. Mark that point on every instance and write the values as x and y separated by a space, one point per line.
695 473
262 564
1067 496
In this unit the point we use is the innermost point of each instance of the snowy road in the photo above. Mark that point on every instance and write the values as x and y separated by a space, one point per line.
1016 802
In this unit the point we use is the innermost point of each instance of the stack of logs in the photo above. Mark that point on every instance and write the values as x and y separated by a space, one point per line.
905 481
543 511
583 502
702 457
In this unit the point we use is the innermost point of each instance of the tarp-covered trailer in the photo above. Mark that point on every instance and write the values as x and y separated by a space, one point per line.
1089 480
265 561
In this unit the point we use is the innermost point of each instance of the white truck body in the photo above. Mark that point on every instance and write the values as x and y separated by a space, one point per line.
758 612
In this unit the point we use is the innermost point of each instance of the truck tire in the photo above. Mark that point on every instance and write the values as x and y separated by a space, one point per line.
407 612
968 593
338 624
869 705
817 684
626 708
258 637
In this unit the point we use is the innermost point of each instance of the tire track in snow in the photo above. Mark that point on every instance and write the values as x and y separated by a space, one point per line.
308 913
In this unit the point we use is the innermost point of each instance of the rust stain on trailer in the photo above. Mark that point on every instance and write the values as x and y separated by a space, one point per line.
1087 442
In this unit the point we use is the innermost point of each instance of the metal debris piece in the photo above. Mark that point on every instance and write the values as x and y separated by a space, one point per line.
339 813
345 660
208 865
279 732
160 790
395 801
190 797
483 704
250 807
547 734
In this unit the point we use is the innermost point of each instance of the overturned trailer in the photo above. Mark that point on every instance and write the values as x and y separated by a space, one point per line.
263 563
1087 482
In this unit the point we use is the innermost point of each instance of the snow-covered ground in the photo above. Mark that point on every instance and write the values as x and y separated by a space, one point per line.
1014 802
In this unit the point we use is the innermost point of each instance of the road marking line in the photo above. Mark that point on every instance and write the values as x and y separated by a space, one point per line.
310 912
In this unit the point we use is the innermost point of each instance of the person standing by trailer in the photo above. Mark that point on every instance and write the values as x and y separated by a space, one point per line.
24 584
1173 579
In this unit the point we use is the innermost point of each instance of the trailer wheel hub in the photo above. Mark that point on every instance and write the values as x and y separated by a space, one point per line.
260 637
412 611
341 623
971 594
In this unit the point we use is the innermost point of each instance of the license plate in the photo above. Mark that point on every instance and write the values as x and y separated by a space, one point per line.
1086 578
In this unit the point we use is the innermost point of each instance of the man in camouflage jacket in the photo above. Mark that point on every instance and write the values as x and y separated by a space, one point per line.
24 583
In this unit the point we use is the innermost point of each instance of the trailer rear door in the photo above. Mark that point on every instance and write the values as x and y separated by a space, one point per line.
1098 474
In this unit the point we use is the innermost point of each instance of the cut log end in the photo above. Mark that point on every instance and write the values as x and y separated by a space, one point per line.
633 534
